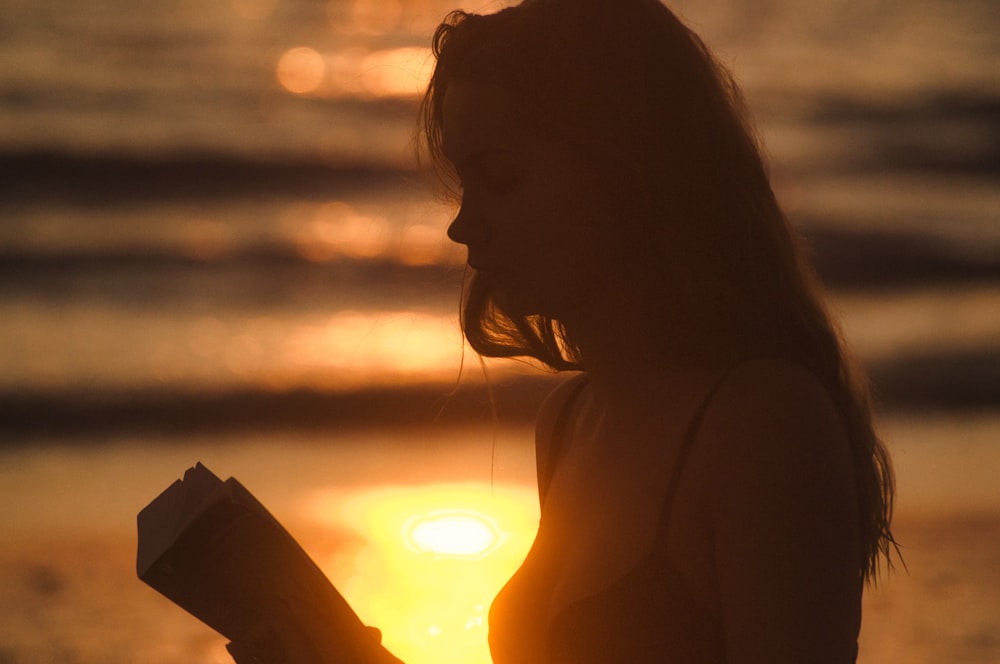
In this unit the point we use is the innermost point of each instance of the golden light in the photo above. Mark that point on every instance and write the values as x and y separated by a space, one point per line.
433 557
301 70
356 72
253 9
398 72
376 17
426 244
338 230
395 344
453 533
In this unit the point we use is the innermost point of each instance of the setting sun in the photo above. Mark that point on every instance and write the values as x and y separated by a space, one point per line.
453 533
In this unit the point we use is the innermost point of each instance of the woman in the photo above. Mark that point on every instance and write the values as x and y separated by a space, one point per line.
712 489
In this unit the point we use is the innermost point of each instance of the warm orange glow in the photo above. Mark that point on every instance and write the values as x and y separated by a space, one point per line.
206 239
394 344
337 230
301 70
376 17
253 9
399 72
425 244
433 558
356 72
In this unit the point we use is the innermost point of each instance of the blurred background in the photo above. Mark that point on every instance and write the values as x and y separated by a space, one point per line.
216 245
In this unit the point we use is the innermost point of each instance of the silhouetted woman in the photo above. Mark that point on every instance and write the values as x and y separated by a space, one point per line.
711 486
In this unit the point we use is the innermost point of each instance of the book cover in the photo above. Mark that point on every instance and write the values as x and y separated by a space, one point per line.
214 550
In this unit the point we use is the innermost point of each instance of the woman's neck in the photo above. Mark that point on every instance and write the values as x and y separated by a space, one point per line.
623 347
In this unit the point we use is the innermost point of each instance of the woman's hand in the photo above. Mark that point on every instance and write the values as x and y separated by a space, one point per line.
283 639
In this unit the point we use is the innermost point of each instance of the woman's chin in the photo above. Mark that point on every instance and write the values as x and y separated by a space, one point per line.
516 302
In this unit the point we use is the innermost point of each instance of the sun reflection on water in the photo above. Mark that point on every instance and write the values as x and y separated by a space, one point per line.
433 558
301 70
404 344
355 72
458 533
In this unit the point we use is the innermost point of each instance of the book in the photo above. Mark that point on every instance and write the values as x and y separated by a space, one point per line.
213 549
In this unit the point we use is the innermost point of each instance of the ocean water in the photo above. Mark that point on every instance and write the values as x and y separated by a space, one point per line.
212 198
215 242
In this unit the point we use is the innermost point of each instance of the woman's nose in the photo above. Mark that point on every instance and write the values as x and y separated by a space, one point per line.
466 229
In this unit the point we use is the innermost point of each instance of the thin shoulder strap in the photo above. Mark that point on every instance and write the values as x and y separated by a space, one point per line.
558 437
690 436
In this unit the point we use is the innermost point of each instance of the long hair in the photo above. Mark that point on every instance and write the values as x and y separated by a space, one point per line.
627 82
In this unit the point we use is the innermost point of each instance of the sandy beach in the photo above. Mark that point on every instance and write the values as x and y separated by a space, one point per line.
69 591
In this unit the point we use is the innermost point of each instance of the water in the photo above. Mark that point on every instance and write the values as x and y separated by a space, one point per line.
215 244
224 197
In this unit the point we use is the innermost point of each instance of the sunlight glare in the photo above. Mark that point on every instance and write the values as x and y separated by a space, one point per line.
433 558
452 533
392 343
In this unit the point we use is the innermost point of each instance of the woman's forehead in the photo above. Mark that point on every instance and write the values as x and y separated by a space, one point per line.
476 117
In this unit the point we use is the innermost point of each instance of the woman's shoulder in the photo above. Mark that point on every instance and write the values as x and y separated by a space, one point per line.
769 391
774 483
773 422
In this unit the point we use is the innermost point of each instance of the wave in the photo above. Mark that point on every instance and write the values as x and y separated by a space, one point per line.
87 414
107 179
856 260
943 132
957 381
846 259
275 280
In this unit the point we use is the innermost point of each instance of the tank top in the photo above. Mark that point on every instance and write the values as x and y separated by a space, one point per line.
648 615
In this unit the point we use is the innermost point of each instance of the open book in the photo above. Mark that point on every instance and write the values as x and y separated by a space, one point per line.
213 549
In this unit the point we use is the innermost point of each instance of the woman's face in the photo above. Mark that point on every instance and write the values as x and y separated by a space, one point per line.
537 218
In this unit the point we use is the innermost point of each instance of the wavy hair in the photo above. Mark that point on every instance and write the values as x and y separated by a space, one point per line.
627 82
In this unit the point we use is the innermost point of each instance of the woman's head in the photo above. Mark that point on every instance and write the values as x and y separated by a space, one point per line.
627 90
638 140
540 222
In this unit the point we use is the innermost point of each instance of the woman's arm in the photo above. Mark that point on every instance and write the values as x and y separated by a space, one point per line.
784 518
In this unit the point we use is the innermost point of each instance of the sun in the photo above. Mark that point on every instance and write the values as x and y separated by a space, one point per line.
431 559
458 533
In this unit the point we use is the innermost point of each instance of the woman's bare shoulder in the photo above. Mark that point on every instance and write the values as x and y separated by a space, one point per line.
775 474
773 422
773 393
